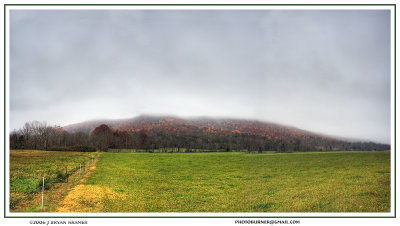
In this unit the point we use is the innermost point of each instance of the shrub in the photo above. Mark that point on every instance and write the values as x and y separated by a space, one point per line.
83 148
61 176
59 148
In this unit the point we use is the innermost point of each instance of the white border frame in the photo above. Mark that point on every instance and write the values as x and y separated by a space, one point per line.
233 215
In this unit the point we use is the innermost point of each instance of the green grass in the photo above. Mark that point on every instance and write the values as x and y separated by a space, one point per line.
164 150
27 167
240 182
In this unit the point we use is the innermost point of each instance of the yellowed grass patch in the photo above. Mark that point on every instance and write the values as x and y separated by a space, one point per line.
89 198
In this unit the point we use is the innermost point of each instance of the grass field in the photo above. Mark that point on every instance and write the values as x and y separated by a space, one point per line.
27 167
235 182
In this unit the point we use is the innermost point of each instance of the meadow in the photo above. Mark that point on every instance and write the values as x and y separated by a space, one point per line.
235 182
27 167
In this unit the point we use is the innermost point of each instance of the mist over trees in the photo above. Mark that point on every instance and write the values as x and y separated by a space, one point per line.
39 135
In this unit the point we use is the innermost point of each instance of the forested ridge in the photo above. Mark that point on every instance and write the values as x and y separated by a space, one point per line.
182 135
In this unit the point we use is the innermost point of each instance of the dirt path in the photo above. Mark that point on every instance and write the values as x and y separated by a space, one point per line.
88 198
92 167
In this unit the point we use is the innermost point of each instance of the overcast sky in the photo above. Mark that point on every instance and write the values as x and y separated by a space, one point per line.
323 71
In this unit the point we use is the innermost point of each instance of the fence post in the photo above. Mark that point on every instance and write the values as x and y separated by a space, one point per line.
42 191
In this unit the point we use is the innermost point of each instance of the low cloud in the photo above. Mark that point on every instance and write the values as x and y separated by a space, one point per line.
326 71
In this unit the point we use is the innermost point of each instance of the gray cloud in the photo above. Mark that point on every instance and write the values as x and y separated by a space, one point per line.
326 71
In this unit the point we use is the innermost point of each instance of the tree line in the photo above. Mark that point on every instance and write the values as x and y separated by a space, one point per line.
39 135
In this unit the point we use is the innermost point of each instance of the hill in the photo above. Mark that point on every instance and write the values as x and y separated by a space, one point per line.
151 132
169 123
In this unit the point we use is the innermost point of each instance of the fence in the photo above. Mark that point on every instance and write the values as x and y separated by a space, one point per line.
83 167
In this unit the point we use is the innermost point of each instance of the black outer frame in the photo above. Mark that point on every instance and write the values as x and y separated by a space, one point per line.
394 149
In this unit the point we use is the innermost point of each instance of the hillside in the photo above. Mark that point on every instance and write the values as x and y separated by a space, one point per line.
197 125
208 133
176 124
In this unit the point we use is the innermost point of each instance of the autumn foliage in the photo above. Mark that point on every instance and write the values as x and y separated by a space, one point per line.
151 133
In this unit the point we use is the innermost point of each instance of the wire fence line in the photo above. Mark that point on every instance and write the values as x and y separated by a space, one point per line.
83 168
